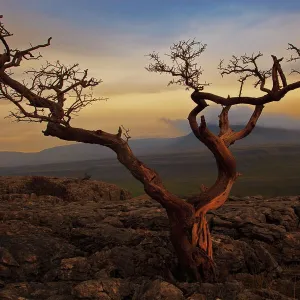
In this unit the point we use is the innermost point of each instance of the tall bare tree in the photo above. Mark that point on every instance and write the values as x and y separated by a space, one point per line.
42 98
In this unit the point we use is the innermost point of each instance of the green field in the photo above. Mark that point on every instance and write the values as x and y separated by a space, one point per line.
268 171
267 175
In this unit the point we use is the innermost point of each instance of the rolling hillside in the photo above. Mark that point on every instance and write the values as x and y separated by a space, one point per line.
151 146
267 170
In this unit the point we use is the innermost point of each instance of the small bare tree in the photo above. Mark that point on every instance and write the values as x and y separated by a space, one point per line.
45 93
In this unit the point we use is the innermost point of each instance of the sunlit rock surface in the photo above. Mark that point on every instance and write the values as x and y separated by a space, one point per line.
67 239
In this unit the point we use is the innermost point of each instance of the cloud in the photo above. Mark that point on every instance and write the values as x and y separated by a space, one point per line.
180 125
118 55
138 99
238 115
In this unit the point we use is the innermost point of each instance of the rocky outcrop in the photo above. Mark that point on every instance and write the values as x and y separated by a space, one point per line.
68 239
57 189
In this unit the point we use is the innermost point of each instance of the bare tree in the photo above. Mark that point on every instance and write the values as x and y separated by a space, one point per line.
184 67
46 92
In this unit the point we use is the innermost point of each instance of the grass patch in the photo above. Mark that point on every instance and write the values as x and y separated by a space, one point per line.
267 171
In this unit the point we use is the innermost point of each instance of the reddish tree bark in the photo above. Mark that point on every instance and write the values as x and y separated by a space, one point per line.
189 231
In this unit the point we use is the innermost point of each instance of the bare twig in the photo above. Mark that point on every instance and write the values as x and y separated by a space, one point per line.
294 58
182 55
126 133
46 88
246 66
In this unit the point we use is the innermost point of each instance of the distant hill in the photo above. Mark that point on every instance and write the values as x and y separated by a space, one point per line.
149 146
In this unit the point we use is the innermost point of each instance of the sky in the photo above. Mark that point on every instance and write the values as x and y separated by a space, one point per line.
112 38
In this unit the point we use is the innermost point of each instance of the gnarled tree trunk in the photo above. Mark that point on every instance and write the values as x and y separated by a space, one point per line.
189 231
193 247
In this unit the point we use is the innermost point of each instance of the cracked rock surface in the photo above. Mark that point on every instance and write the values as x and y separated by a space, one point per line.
69 239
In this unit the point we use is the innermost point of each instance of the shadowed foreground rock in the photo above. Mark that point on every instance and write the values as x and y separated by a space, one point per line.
67 239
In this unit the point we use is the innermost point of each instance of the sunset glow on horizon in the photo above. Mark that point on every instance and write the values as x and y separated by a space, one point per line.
112 39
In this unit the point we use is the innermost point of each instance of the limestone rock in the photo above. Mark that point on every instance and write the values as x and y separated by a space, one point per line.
68 239
158 290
